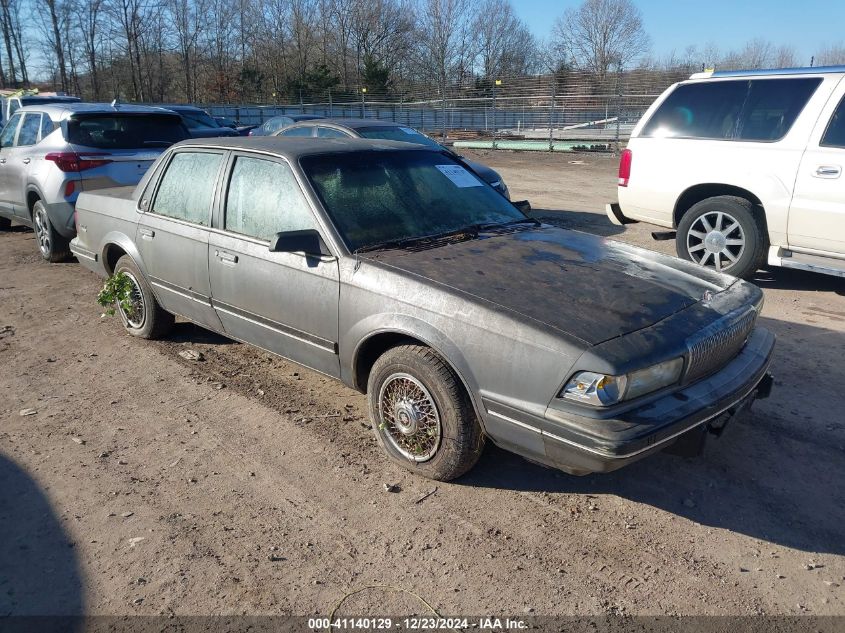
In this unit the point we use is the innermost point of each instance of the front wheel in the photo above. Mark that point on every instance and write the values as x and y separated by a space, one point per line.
143 316
723 233
52 246
422 415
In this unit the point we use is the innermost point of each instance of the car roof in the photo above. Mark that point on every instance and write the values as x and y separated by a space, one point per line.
60 111
293 148
179 107
354 124
769 72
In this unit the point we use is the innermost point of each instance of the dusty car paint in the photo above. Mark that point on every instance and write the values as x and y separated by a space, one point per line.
514 312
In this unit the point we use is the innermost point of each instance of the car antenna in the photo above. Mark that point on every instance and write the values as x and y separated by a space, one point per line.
115 102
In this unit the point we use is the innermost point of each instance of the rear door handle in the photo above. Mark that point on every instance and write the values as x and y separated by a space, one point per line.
227 258
828 171
26 161
147 234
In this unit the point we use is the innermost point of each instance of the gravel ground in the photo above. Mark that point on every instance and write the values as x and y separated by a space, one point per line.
135 481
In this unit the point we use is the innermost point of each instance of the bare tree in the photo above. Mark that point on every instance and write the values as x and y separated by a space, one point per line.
504 43
831 55
600 34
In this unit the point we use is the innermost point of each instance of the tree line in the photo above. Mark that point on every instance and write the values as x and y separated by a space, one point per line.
308 50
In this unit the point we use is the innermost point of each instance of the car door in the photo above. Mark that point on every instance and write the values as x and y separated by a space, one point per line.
286 303
19 162
7 141
172 234
817 211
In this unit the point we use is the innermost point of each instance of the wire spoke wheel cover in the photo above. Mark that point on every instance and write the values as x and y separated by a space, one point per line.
136 316
409 419
716 240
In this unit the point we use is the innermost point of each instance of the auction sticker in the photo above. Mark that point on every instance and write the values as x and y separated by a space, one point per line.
459 176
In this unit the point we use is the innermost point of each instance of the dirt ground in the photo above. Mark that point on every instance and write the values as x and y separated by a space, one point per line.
144 483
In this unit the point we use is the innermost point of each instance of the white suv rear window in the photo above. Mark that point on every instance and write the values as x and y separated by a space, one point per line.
740 110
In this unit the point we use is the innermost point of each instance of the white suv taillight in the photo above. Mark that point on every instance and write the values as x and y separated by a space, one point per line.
625 168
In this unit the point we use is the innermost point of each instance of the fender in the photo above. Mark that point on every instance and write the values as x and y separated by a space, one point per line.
357 336
116 238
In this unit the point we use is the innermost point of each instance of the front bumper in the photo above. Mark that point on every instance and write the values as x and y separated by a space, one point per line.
580 445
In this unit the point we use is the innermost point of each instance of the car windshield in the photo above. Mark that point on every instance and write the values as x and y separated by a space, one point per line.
115 131
378 199
197 118
397 133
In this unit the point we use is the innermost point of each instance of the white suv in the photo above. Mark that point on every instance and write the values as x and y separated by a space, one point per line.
745 166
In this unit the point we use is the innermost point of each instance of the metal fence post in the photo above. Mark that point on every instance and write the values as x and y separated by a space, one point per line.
618 101
552 114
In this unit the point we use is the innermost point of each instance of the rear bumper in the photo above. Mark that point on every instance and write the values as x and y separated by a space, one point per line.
61 217
615 215
582 445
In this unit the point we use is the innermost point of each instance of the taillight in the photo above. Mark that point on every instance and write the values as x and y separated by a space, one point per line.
70 187
71 161
625 168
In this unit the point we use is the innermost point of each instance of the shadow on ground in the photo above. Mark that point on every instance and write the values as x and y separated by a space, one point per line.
578 220
791 279
778 474
185 332
39 571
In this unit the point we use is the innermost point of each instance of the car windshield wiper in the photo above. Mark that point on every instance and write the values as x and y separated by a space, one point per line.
494 225
407 241
471 229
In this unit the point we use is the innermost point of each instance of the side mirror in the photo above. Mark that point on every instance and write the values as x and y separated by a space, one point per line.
307 241
523 205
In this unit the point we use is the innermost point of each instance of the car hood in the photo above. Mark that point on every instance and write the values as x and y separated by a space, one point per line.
487 173
585 286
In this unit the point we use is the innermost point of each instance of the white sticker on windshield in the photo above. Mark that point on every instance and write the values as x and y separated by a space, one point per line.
459 176
410 130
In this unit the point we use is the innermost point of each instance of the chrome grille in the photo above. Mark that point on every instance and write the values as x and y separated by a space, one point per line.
712 348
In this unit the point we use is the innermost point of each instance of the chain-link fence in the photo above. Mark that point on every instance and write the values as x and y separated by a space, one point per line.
564 106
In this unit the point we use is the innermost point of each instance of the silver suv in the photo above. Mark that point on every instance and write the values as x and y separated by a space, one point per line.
50 153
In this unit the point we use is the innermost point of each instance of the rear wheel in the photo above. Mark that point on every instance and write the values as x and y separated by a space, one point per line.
53 247
723 233
422 416
145 318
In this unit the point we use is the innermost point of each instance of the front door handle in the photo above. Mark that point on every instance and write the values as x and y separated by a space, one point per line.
25 161
828 171
2 161
147 234
227 258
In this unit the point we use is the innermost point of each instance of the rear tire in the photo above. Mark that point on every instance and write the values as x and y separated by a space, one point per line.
52 246
148 320
422 415
723 233
5 224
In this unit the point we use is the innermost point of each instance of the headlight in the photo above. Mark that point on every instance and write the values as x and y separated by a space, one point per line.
602 390
653 378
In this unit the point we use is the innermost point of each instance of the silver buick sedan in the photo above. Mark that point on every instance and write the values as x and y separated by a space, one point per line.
399 271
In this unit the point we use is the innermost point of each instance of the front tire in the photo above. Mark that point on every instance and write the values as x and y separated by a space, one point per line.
147 319
422 415
723 233
52 246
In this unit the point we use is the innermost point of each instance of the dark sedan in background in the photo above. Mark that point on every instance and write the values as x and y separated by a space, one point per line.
200 123
395 269
276 123
385 131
